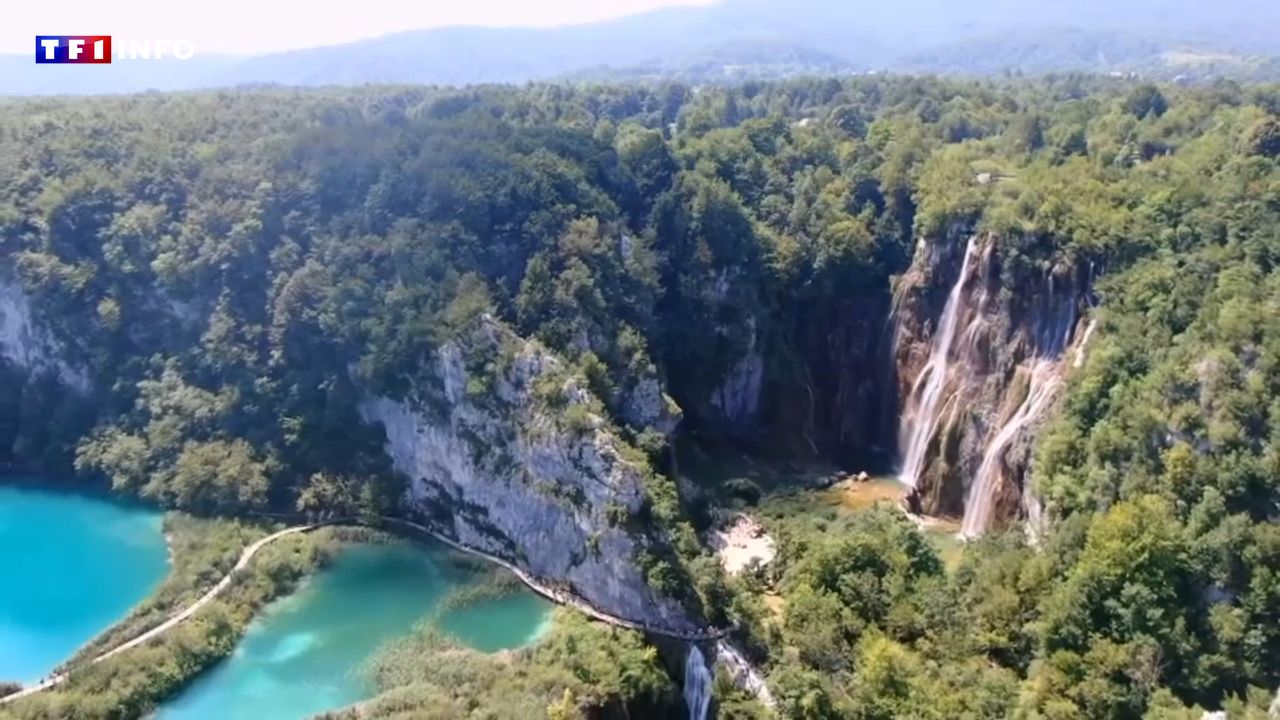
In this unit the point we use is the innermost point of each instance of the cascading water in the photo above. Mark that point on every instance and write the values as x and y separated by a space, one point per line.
697 684
1056 326
920 425
743 673
1034 510
959 427
1041 387
1084 342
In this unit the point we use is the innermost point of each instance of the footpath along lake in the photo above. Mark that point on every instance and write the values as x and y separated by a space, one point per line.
305 653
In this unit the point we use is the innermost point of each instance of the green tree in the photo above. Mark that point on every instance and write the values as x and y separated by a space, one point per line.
1263 138
1145 101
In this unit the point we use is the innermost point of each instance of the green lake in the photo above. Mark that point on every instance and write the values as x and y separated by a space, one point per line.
305 653
73 566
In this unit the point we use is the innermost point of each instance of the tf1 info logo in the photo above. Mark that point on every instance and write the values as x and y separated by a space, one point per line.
97 50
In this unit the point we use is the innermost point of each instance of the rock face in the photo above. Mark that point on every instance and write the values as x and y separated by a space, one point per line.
496 466
737 400
850 365
980 350
826 398
645 405
26 345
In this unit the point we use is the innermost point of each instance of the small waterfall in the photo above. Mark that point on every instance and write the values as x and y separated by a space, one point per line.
919 426
743 673
1084 342
697 684
1034 510
978 510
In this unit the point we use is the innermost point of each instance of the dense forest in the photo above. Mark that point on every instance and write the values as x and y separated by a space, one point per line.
217 279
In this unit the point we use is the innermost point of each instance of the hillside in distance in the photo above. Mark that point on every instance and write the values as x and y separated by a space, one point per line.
753 39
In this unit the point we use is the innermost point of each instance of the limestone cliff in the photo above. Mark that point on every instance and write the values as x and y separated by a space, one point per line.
809 382
509 454
26 345
737 399
979 344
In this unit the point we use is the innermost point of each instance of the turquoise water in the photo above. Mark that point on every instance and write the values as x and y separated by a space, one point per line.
304 654
72 566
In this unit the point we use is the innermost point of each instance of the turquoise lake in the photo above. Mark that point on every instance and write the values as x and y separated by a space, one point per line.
73 566
305 653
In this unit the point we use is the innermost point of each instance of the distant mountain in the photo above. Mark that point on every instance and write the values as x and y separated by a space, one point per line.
747 39
1059 49
728 62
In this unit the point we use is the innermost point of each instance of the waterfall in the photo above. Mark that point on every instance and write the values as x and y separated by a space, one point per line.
1084 341
993 368
1034 510
978 507
919 426
697 684
743 673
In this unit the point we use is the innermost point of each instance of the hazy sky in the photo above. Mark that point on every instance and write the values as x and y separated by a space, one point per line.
252 26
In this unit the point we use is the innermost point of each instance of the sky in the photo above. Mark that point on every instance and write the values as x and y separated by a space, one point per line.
257 26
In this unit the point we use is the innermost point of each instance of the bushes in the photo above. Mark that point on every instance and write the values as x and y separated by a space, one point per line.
579 666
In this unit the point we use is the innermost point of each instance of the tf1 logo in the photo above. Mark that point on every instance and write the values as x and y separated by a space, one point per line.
97 50
74 49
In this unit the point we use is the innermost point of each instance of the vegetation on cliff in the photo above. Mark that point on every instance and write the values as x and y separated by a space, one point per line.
576 665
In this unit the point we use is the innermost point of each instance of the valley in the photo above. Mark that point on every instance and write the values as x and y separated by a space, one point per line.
858 397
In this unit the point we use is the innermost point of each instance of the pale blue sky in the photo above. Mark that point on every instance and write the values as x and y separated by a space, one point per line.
253 26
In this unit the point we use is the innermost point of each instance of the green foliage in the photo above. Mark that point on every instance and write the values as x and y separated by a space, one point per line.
1145 101
218 476
327 497
1264 138
579 668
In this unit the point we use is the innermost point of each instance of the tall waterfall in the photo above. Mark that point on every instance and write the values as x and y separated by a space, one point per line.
1043 383
919 426
975 387
697 684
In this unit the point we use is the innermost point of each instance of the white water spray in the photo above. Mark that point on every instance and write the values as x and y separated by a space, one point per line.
1084 342
697 684
920 426
979 506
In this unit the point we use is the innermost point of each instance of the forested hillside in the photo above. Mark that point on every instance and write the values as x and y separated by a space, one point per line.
200 291
734 40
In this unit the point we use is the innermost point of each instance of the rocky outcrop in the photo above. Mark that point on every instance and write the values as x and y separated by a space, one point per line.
735 403
980 350
645 405
25 345
509 454
812 385
737 400
848 358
